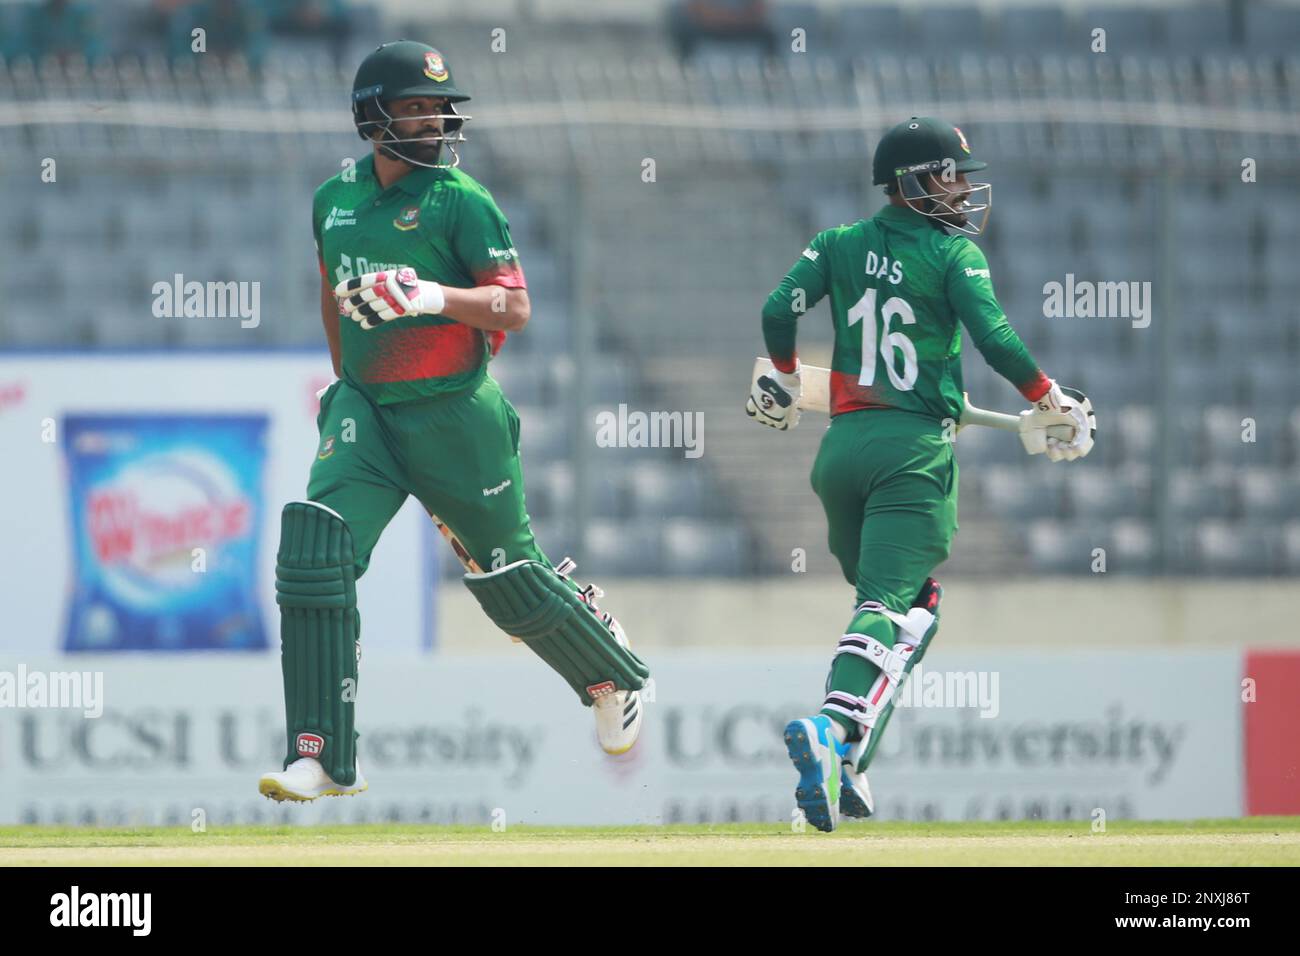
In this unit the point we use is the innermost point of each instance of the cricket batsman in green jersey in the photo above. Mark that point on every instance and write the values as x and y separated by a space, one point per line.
902 285
420 284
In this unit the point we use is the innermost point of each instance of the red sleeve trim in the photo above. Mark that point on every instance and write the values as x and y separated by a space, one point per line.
1037 388
786 365
508 277
321 262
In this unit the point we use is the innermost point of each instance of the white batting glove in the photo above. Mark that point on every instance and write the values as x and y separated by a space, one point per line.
1059 406
377 297
774 400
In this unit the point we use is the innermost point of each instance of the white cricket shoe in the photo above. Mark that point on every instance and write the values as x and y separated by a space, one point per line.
304 781
618 712
855 794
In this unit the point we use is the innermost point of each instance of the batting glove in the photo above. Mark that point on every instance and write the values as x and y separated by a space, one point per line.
377 297
1059 406
774 400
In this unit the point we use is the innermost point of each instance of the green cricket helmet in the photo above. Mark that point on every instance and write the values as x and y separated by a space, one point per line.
912 155
398 70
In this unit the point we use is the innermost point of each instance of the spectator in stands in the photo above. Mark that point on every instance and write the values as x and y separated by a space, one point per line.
59 28
232 28
720 21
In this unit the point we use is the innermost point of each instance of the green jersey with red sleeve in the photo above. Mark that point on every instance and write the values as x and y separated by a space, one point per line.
900 290
445 226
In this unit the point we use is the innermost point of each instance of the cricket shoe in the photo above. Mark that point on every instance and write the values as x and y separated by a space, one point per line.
855 795
618 712
817 754
304 780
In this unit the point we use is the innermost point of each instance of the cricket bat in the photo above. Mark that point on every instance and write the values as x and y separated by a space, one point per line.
466 560
816 397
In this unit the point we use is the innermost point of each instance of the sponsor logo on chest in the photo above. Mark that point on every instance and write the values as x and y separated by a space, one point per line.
339 217
351 266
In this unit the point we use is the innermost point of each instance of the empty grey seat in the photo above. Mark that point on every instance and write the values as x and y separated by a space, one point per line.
1012 493
662 489
523 381
1134 427
1197 492
542 436
785 17
1028 29
1233 548
1291 547
978 445
1132 548
1128 29
623 548
1272 27
1270 379
705 548
1202 25
1096 493
860 31
1223 436
1060 547
950 28
1269 494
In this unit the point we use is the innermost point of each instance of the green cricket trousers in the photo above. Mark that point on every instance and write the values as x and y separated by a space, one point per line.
457 453
887 480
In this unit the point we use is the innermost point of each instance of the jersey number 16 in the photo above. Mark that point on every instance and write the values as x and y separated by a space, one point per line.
865 309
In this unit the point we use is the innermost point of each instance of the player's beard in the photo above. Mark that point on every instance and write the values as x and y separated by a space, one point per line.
954 219
418 148
956 202
423 152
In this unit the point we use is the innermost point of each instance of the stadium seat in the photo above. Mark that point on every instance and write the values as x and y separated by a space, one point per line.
1291 547
861 31
1060 547
542 435
1272 27
1196 492
1128 29
1133 548
1269 494
523 382
661 489
947 29
1228 548
1199 25
705 548
1023 29
1011 493
1099 493
623 548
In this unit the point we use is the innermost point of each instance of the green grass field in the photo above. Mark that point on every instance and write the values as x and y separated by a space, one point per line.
1259 841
